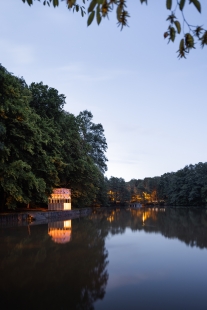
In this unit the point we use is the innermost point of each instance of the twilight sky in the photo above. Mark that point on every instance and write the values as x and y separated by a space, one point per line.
151 105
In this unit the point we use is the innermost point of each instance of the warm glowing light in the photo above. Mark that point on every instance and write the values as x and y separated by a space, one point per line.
60 232
143 218
67 206
61 193
60 199
67 224
111 217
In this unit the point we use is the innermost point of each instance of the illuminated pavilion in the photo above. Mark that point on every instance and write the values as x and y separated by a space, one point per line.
60 199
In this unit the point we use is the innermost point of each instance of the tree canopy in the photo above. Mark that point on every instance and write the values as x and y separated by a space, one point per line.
43 146
99 9
93 135
24 137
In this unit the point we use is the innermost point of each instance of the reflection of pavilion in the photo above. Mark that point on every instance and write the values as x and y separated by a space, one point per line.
60 231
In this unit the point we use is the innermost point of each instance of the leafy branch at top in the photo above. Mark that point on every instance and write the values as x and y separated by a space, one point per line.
71 4
193 34
98 9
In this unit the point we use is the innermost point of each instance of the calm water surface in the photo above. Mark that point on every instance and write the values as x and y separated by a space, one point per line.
114 259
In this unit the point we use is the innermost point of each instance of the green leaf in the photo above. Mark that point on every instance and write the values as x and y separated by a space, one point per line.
98 15
178 26
204 39
197 5
28 1
92 6
55 3
118 11
82 12
182 44
181 5
172 34
169 4
90 18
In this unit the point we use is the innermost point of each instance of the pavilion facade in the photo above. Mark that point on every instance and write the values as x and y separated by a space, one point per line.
60 199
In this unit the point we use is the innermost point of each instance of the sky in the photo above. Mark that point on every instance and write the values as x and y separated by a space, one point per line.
151 104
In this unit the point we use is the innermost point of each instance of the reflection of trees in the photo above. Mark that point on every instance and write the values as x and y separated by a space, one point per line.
187 225
37 273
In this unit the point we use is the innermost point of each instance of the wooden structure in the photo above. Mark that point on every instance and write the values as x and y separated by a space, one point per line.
60 199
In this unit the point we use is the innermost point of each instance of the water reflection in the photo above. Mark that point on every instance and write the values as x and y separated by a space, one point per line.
187 225
150 266
46 268
60 232
65 264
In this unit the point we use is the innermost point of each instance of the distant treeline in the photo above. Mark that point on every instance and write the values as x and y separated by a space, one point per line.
42 146
186 187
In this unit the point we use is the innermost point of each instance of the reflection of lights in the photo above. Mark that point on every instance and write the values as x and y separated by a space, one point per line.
110 218
60 231
67 224
144 215
143 218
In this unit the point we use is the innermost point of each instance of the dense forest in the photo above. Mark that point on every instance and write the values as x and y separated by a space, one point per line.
186 187
42 146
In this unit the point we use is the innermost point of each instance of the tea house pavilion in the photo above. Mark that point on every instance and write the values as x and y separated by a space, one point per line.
60 199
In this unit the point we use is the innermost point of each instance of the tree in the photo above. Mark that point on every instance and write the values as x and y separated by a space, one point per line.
93 135
46 101
101 196
102 8
81 144
80 172
186 187
118 191
27 171
42 147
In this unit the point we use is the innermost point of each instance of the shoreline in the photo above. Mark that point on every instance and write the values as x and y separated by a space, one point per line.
39 217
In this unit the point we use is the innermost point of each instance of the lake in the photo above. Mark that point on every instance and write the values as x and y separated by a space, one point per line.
112 259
